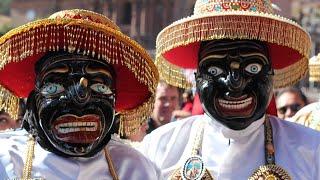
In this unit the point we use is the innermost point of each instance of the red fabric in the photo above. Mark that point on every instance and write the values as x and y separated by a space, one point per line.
184 56
19 77
272 108
197 107
282 56
188 106
187 56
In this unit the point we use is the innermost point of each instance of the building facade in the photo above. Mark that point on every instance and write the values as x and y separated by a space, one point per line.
140 19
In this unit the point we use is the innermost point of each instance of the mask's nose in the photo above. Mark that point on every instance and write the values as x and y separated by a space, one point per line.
81 95
235 80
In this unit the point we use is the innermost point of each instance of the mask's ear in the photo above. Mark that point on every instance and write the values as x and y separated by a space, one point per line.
29 117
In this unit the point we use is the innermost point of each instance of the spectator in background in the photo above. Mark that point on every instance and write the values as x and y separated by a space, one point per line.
187 98
289 102
6 122
310 115
186 107
166 101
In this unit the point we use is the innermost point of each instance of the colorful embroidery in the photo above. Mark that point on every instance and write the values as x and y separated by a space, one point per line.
218 6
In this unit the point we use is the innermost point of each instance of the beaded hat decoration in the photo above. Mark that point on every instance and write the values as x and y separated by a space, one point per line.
178 44
82 32
314 68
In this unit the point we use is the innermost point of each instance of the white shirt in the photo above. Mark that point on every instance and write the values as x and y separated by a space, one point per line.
230 154
128 163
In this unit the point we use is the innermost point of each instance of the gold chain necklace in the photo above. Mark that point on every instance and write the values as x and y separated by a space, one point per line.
27 169
29 157
269 171
194 167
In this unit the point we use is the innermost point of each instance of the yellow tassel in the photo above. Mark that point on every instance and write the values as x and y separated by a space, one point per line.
131 120
9 103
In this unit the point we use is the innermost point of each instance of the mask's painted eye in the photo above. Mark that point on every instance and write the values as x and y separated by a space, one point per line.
101 88
52 89
253 68
215 71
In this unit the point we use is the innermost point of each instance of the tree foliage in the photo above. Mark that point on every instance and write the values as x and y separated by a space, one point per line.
5 7
4 29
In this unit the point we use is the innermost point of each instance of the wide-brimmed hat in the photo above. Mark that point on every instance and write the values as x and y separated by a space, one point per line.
178 44
314 68
82 32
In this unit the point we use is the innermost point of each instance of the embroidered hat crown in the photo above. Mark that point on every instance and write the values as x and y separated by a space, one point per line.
84 15
213 6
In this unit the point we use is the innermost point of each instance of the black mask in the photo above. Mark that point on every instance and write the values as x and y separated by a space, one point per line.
234 81
71 110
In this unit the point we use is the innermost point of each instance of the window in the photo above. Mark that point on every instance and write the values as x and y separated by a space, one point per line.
127 11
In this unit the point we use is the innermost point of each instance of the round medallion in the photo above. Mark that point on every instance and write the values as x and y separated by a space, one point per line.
270 172
193 168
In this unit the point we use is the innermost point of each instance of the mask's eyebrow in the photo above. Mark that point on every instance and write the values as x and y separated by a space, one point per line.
58 69
95 70
262 56
214 56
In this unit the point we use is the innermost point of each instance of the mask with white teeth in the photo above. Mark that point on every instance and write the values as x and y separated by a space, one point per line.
234 81
71 110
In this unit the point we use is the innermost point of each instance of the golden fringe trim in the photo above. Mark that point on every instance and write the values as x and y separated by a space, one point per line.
172 74
9 103
314 66
131 120
290 75
246 22
314 73
107 43
236 25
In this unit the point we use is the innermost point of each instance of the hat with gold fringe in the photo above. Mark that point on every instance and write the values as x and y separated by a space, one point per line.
178 44
82 32
314 68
